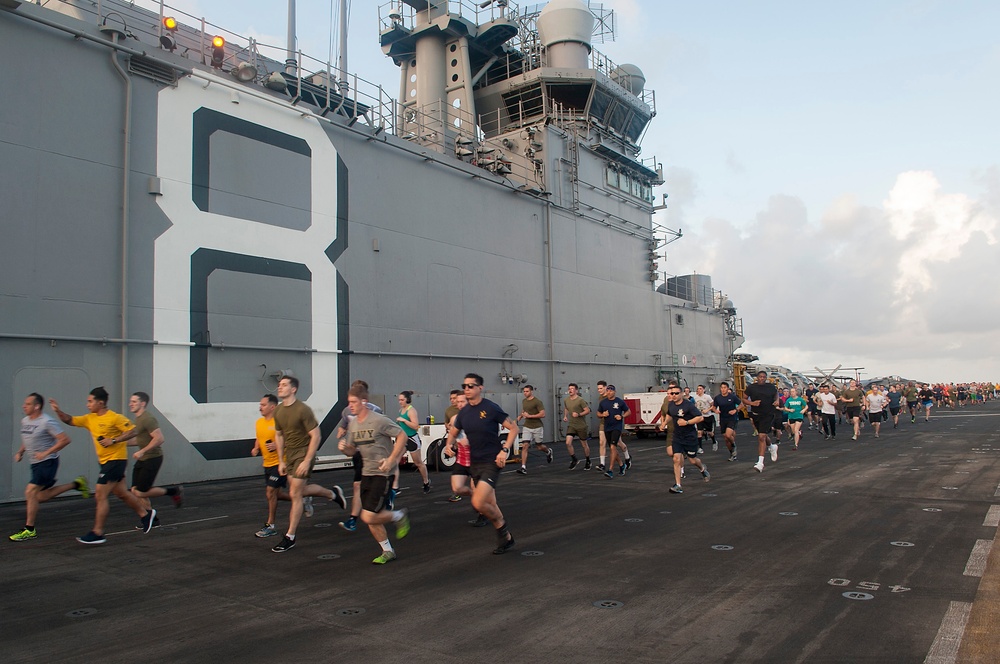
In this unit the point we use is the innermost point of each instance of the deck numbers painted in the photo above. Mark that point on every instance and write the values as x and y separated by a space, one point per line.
870 586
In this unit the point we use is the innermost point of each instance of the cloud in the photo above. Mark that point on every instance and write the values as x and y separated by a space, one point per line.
734 165
906 287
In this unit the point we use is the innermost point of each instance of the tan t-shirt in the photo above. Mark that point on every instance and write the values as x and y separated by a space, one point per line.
532 406
577 405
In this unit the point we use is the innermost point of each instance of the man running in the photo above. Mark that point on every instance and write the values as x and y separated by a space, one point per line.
911 394
828 411
146 435
926 395
274 482
852 398
296 434
41 440
381 443
614 411
480 420
895 398
106 427
685 442
762 397
706 428
533 433
351 523
727 405
575 411
813 412
876 405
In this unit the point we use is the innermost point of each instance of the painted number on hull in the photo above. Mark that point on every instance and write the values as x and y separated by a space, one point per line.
865 585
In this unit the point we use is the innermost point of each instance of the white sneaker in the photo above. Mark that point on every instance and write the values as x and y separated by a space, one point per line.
307 506
759 466
715 446
773 449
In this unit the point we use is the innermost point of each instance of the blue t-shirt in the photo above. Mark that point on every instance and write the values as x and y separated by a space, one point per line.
684 411
613 407
481 424
726 404
894 399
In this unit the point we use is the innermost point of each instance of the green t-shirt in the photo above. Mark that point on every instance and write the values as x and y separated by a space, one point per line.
532 406
852 398
147 424
796 404
294 424
577 405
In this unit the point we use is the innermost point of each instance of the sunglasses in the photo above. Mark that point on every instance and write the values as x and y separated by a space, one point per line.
673 392
469 386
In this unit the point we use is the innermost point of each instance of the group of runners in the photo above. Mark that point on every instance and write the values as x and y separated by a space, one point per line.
288 437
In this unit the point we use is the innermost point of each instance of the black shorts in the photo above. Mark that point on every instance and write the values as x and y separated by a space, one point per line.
852 411
112 471
43 473
707 424
374 491
412 444
613 436
144 473
729 423
485 471
686 447
894 411
273 478
911 404
763 422
795 420
459 469
358 463
813 408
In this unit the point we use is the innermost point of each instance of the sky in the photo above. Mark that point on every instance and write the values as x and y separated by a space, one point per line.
835 167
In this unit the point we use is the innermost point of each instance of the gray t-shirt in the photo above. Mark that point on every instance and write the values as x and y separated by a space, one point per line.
38 435
374 438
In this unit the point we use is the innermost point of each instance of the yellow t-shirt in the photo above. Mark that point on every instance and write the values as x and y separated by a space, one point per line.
109 425
265 432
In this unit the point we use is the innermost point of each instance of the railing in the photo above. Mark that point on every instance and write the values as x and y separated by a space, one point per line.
398 14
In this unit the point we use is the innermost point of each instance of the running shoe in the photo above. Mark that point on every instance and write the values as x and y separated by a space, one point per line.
548 456
267 531
178 497
384 557
704 473
23 536
284 545
715 446
628 463
307 506
732 455
156 522
601 468
759 466
621 469
676 489
773 449
338 496
682 472
390 500
479 521
427 487
701 450
403 526
350 525
574 463
454 498
504 546
82 486
92 538
609 474
586 465
522 471
148 520
854 437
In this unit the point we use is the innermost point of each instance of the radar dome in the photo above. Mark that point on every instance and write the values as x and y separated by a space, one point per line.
630 77
565 28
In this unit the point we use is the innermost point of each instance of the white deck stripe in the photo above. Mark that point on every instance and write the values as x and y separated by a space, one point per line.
944 650
181 523
977 559
997 493
993 516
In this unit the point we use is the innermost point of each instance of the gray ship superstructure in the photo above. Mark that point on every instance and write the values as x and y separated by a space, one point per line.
196 220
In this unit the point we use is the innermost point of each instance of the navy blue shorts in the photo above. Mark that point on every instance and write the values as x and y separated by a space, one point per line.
273 478
43 473
113 471
728 423
688 448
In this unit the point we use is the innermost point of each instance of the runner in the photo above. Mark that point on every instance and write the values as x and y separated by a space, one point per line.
575 411
876 405
351 523
762 397
41 440
813 413
532 412
381 443
707 425
481 420
105 426
828 410
409 422
297 437
614 411
274 482
895 398
852 399
149 457
912 395
726 405
685 442
926 396
796 408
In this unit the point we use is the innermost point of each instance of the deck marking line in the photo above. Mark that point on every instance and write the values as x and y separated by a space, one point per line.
996 494
977 559
993 516
944 650
179 523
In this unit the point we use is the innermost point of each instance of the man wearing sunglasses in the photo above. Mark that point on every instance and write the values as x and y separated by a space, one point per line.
480 420
686 417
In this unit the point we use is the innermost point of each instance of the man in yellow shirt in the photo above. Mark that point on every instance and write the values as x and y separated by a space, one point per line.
265 446
106 428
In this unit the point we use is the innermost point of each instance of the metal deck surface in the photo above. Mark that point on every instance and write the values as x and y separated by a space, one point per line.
869 551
